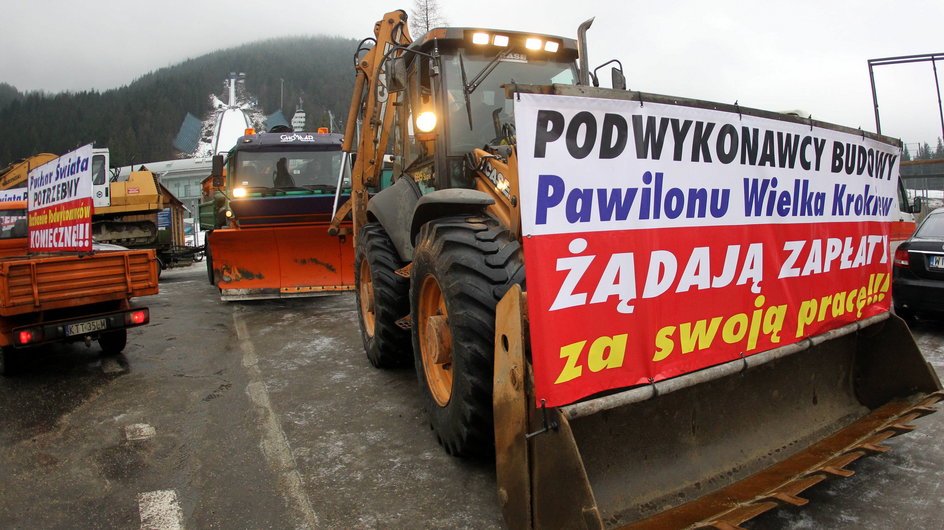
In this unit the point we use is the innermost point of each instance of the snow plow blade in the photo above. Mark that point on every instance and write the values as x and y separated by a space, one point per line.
712 448
288 261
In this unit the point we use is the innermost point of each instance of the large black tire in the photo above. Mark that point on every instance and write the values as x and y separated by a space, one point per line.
467 264
113 342
382 299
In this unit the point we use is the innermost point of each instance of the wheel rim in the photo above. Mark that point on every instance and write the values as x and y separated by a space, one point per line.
435 340
365 291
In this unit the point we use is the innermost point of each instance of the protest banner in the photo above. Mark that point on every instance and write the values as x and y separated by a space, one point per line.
663 239
15 194
60 203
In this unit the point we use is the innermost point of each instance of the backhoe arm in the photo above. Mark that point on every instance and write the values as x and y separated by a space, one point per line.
372 106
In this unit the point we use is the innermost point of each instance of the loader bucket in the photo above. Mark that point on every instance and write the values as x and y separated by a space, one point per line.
280 262
713 448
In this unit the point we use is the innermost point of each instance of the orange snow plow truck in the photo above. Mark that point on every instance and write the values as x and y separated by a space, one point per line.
67 297
705 331
269 211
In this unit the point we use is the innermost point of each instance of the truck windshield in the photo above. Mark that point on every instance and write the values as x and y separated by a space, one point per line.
313 170
12 223
490 109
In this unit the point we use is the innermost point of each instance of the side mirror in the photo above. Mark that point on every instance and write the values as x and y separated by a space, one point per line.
217 170
916 208
619 80
396 75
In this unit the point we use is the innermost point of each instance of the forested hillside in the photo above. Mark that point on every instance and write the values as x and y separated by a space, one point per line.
139 121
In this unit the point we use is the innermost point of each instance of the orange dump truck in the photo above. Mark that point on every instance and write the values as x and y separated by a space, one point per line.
48 298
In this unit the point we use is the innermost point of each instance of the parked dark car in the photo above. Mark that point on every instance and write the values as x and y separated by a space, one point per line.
918 269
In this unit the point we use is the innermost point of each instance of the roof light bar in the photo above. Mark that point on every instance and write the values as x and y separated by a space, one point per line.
500 40
533 43
480 38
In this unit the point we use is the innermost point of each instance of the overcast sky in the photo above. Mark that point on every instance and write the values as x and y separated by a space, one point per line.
799 54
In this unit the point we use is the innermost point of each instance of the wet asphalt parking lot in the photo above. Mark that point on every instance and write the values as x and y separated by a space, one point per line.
267 415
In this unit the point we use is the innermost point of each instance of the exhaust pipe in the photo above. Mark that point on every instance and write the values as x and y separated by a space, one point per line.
584 73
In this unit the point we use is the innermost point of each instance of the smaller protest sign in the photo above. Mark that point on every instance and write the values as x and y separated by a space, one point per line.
60 203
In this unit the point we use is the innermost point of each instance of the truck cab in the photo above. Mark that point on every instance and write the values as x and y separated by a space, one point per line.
267 171
269 211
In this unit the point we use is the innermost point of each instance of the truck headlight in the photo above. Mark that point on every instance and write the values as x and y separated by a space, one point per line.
426 121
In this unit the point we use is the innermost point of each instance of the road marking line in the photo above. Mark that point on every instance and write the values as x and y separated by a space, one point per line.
274 444
160 510
242 331
139 431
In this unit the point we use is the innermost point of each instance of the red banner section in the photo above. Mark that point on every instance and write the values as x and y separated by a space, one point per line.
63 226
624 308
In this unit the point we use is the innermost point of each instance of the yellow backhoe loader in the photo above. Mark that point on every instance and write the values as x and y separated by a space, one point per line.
705 331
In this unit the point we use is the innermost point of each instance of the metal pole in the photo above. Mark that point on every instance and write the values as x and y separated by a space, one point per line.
281 91
937 89
878 122
933 57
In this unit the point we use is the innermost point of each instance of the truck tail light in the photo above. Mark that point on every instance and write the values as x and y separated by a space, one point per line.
901 258
29 336
139 316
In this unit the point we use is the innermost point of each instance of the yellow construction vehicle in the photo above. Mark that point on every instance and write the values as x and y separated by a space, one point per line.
706 329
136 211
14 176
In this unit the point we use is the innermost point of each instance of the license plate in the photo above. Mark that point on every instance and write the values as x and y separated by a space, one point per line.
83 328
937 262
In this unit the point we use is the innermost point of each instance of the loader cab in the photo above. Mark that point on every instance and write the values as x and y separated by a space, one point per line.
455 83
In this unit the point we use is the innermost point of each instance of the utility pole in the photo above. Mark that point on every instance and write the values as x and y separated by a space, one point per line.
281 91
